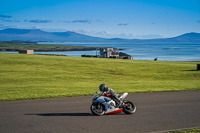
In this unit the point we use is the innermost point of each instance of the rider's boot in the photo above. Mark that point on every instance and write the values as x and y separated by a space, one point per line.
118 103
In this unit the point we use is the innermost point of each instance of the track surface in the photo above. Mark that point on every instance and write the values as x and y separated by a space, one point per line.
155 112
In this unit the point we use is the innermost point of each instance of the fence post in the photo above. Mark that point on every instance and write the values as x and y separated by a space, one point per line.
198 67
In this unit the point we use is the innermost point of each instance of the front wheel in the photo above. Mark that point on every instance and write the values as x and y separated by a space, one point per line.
129 107
97 108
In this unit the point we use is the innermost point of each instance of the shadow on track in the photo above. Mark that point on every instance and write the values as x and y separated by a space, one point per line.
72 114
63 114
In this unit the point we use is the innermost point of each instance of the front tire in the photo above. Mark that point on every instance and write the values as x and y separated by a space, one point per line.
97 109
129 107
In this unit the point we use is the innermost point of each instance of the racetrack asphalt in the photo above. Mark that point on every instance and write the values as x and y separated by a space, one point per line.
159 111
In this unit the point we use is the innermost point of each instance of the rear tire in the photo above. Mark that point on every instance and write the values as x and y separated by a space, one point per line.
129 107
97 109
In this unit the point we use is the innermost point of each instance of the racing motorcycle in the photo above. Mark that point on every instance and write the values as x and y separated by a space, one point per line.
103 104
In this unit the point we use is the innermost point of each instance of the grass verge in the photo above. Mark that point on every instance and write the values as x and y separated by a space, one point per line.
41 76
186 131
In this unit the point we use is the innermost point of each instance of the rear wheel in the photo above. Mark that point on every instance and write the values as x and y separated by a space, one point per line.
97 108
129 107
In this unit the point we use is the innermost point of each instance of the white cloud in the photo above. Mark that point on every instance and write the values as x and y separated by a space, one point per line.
38 21
2 26
104 34
149 36
5 16
7 26
108 34
123 24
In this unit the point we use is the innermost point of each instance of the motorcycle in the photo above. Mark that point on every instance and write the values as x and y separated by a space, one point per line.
103 104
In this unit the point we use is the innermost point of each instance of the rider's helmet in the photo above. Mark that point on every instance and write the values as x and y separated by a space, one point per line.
102 87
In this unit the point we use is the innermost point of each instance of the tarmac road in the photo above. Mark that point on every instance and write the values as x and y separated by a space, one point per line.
156 112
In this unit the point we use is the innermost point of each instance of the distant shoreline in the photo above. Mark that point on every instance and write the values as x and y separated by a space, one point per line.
53 50
138 52
28 45
43 48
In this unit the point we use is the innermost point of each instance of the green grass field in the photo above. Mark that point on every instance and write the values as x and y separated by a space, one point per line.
41 76
187 131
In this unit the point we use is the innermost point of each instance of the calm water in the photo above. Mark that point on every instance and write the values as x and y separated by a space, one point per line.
170 52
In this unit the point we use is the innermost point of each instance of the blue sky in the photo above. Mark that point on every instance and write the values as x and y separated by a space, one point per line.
104 18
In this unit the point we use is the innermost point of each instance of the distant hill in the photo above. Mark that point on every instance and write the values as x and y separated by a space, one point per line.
39 35
188 38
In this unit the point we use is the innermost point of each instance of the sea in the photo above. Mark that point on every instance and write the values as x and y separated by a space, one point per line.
163 52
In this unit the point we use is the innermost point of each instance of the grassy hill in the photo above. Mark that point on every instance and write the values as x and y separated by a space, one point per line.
41 76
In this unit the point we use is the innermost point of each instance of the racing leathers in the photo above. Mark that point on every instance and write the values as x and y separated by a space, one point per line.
113 95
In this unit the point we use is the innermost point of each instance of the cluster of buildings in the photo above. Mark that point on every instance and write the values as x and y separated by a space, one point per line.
26 51
110 53
103 53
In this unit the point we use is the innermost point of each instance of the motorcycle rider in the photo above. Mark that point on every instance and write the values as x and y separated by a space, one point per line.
114 95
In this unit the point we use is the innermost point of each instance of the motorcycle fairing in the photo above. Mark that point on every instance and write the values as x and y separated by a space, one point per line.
116 111
109 105
123 96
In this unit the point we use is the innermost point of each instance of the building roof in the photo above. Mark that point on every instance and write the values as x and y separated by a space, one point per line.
123 54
